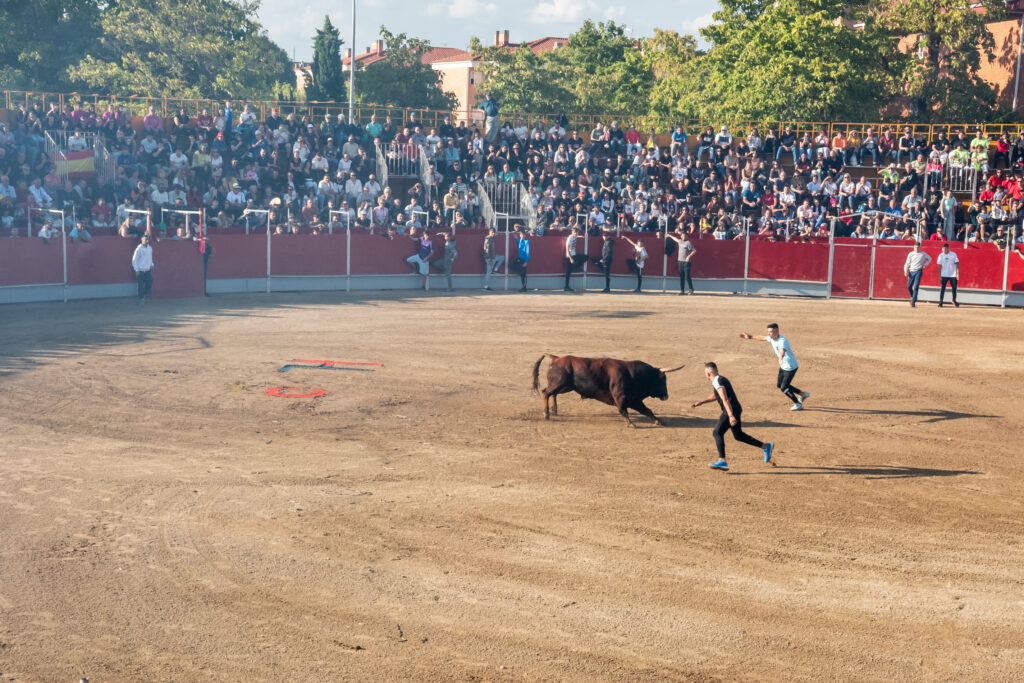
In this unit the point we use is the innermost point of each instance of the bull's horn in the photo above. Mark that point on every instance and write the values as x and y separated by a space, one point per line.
668 370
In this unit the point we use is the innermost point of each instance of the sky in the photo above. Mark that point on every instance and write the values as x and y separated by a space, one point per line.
451 23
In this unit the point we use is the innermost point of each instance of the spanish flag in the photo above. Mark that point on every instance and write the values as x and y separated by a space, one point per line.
77 164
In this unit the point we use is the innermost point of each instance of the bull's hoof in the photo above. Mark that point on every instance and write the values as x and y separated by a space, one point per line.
630 424
659 423
547 417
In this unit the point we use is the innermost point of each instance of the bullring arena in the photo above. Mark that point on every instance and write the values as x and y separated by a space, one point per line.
165 519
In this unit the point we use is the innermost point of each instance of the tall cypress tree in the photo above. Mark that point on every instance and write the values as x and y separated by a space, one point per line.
328 83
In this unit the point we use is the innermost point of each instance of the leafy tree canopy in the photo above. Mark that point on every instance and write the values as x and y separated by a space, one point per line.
401 79
40 38
328 82
184 48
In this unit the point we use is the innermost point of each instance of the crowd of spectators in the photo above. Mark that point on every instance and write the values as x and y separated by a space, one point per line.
311 175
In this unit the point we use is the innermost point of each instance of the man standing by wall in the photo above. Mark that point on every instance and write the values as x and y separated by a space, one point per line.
572 259
917 260
686 252
142 264
522 262
489 106
949 272
607 254
492 260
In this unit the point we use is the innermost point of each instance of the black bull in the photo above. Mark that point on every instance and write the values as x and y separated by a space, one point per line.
620 383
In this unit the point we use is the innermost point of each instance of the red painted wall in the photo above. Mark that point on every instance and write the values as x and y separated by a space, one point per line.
178 273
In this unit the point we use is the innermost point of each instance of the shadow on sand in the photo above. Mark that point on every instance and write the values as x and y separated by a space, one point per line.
866 471
933 415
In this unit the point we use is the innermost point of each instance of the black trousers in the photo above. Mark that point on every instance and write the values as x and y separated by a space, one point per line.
785 385
606 268
723 426
635 269
942 291
572 265
685 283
520 266
145 280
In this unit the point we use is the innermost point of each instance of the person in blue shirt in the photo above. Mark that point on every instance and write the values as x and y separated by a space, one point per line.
522 262
679 142
787 364
489 106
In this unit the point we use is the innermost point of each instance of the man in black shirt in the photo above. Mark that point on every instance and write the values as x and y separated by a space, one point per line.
787 143
729 419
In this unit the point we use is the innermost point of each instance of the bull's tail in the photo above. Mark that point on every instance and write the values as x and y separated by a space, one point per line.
536 370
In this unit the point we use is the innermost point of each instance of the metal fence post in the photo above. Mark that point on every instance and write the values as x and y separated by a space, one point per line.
348 258
831 259
746 261
871 275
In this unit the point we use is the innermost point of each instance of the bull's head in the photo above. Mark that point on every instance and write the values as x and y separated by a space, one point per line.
661 387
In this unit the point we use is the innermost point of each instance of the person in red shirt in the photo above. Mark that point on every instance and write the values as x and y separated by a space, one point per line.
1002 151
102 216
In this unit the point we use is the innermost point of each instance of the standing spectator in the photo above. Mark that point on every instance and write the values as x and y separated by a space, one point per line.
605 261
686 252
917 261
142 264
489 106
949 273
492 260
572 260
947 211
636 264
522 262
421 259
446 261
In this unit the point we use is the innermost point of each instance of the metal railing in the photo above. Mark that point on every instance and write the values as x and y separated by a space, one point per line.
527 210
401 160
430 118
426 175
382 165
486 208
55 152
508 198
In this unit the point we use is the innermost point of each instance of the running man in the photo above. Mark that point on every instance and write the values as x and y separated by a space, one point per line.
787 364
917 261
730 419
949 272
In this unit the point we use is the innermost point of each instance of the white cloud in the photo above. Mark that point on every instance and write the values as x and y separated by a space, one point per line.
558 11
692 26
466 9
615 13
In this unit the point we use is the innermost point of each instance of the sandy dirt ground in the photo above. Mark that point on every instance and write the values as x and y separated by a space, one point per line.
162 519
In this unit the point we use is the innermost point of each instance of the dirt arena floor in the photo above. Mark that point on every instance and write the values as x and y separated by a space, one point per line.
164 520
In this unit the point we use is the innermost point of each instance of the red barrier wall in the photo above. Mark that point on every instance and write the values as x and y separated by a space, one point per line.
851 270
788 261
31 262
238 256
307 254
107 260
716 259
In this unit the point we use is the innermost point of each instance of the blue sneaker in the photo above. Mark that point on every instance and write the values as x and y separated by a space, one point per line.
768 447
720 465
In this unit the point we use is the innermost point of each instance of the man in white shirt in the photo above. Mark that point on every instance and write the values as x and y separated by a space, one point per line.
949 272
39 193
917 261
788 364
352 188
142 264
373 186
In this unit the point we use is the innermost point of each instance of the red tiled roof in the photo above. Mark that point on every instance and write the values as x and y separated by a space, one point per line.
444 54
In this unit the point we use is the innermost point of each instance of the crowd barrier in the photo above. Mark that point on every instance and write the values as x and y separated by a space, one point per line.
31 270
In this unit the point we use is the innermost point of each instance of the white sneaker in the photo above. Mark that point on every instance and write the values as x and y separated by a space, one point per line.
804 396
797 406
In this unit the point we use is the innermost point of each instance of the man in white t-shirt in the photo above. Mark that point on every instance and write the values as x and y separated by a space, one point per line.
949 272
788 364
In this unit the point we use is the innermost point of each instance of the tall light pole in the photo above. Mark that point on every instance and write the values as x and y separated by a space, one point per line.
352 70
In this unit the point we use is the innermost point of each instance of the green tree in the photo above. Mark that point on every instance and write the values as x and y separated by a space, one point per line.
184 48
520 80
934 55
401 79
782 60
602 70
39 39
328 82
669 59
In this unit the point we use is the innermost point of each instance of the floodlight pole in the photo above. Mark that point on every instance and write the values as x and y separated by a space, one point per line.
352 70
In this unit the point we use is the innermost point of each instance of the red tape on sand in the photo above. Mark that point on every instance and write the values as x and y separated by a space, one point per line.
280 392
